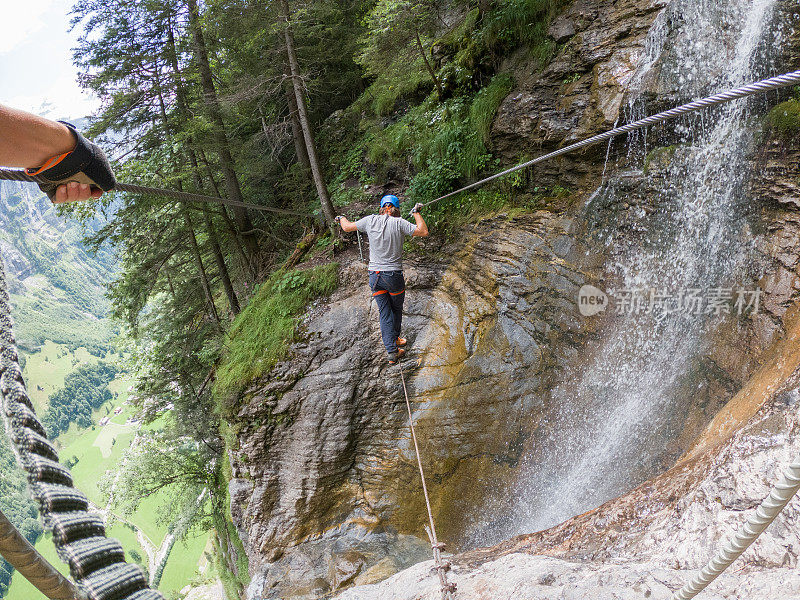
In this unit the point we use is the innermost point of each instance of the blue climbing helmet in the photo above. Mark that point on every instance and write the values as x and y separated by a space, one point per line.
390 199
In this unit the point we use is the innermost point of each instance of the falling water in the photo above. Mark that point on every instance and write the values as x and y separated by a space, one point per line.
616 414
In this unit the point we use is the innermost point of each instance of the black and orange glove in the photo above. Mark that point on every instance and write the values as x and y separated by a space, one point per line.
86 163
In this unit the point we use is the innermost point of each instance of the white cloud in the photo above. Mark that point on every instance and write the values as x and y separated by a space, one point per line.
21 20
62 99
36 70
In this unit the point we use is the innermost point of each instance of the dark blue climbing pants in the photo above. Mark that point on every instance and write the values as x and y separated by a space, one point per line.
389 291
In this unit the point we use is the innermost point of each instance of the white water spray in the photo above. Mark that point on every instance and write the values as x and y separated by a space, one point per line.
618 411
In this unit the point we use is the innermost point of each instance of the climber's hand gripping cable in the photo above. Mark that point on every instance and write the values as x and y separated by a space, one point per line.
68 166
85 165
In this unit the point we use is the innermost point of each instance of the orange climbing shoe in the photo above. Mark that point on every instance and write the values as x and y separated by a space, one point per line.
396 356
401 342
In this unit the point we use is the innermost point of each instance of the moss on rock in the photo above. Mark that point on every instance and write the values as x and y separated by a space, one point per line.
784 119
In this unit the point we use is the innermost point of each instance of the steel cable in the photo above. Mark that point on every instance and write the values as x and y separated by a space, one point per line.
21 555
773 83
440 566
18 175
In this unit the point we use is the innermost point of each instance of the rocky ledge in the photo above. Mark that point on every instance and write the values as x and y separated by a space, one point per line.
650 542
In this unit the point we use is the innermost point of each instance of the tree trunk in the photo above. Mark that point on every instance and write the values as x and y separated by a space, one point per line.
222 268
247 264
483 7
302 113
294 119
233 301
171 287
436 81
184 108
211 101
212 234
199 260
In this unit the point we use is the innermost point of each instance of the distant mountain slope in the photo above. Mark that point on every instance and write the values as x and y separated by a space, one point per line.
57 288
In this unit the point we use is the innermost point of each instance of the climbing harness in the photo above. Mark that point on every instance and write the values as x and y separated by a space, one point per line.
773 83
440 566
777 500
96 563
17 175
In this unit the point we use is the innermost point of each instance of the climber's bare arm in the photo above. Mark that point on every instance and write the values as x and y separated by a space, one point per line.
422 228
346 224
29 141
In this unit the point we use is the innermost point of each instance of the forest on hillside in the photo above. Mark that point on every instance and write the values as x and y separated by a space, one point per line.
85 390
307 108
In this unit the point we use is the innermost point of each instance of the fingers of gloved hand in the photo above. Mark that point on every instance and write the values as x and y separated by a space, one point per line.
75 192
417 208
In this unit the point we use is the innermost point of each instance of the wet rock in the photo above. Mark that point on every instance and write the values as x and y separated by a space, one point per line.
324 465
345 568
580 92
650 542
524 577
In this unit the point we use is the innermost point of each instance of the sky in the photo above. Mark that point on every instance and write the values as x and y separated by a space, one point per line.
36 70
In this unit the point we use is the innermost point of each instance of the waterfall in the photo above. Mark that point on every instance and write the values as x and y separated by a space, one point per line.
614 416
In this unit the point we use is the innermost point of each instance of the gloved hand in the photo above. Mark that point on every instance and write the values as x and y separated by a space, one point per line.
86 164
417 207
338 218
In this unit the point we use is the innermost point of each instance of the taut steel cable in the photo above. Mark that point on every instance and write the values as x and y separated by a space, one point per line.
441 566
29 563
17 175
773 83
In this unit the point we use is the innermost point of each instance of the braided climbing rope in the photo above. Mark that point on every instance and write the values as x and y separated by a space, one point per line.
441 566
778 498
96 563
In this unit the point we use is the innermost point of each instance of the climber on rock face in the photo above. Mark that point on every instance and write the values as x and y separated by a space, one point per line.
386 232
70 166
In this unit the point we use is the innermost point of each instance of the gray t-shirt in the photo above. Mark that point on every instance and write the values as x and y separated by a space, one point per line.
386 235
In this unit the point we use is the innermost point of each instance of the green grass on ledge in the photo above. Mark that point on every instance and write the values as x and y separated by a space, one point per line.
260 336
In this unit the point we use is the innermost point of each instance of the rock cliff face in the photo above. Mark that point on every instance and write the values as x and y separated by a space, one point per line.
325 492
328 457
648 542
